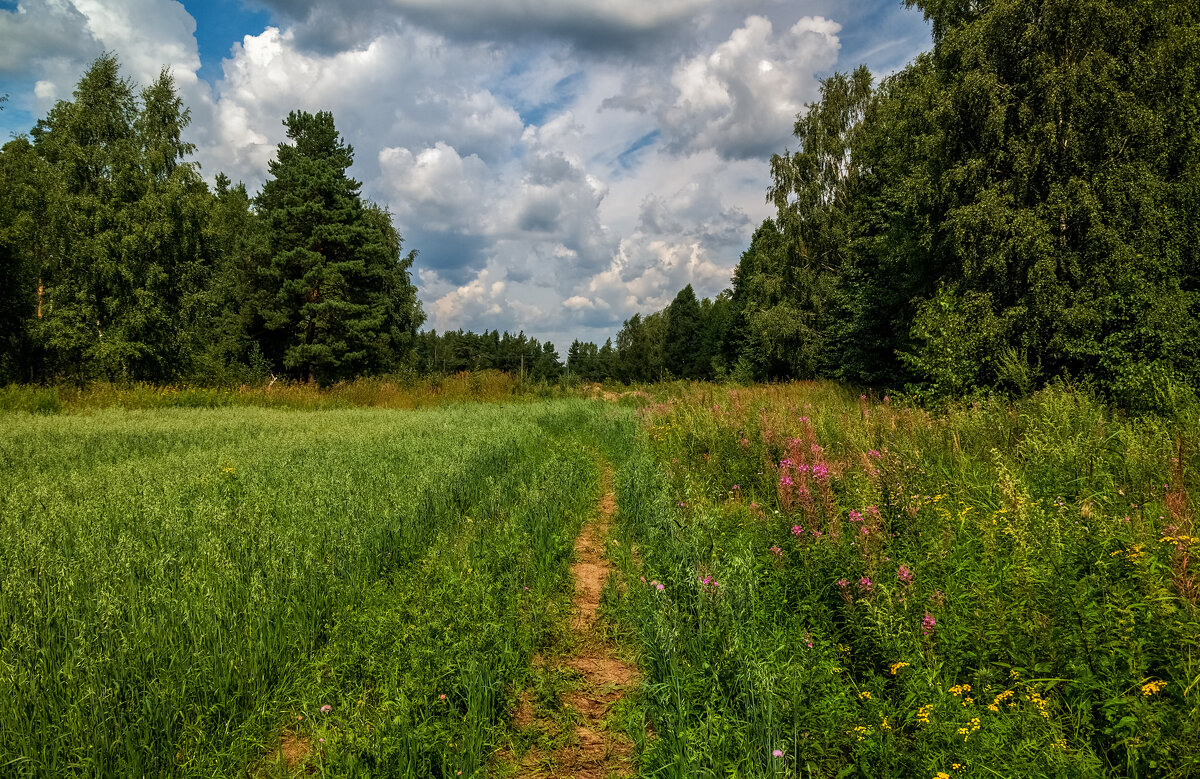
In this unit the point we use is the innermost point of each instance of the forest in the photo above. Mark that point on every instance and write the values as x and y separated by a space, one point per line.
1015 207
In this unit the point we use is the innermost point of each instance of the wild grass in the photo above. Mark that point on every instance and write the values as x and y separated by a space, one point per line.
824 584
183 589
397 392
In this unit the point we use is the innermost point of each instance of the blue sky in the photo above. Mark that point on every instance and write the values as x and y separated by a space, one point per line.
558 164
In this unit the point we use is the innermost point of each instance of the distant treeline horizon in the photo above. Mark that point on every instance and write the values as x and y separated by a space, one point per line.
1016 206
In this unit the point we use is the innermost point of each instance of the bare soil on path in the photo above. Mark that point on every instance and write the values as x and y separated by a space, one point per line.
592 750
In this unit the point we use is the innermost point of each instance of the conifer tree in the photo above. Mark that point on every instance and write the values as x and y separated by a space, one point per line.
336 299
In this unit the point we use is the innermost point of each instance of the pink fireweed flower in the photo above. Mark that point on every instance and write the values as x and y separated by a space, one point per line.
820 471
660 587
777 753
905 574
843 583
785 480
864 584
855 516
776 551
866 531
785 463
797 531
928 622
874 454
326 709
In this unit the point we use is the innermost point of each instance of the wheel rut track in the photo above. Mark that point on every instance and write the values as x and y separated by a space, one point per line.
592 751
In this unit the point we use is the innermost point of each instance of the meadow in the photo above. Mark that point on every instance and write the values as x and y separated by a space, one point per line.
184 591
813 582
822 583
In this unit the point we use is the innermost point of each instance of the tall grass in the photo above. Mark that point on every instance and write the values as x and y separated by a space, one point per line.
399 392
854 589
178 588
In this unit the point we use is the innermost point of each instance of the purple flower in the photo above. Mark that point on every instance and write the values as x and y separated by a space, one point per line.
785 480
843 583
928 622
865 584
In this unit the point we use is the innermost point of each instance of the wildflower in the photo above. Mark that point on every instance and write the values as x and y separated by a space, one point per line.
777 753
843 583
442 697
864 695
941 775
661 588
923 713
874 454
1150 688
785 480
897 666
321 740
864 584
797 531
327 708
776 551
856 516
884 724
905 574
928 622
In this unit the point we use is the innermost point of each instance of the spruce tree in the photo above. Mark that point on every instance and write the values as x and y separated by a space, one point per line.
336 299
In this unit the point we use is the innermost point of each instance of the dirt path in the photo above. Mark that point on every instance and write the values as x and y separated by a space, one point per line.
589 749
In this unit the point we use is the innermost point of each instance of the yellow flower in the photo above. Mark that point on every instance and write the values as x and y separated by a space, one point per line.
923 713
884 724
941 775
1150 688
864 696
956 766
897 666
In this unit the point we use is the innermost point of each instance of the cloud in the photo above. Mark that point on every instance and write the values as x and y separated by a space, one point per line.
742 98
588 25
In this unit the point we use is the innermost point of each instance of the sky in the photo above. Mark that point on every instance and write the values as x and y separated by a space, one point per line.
558 165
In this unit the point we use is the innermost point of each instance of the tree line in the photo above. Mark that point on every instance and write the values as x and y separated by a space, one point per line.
1020 204
118 262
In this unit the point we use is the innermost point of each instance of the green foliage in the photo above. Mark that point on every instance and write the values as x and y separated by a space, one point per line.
1041 158
208 580
875 592
335 297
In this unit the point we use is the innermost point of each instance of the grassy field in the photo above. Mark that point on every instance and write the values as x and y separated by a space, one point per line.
825 585
180 589
815 583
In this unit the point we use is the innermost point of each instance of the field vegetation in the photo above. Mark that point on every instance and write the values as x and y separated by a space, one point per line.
830 585
184 591
813 582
